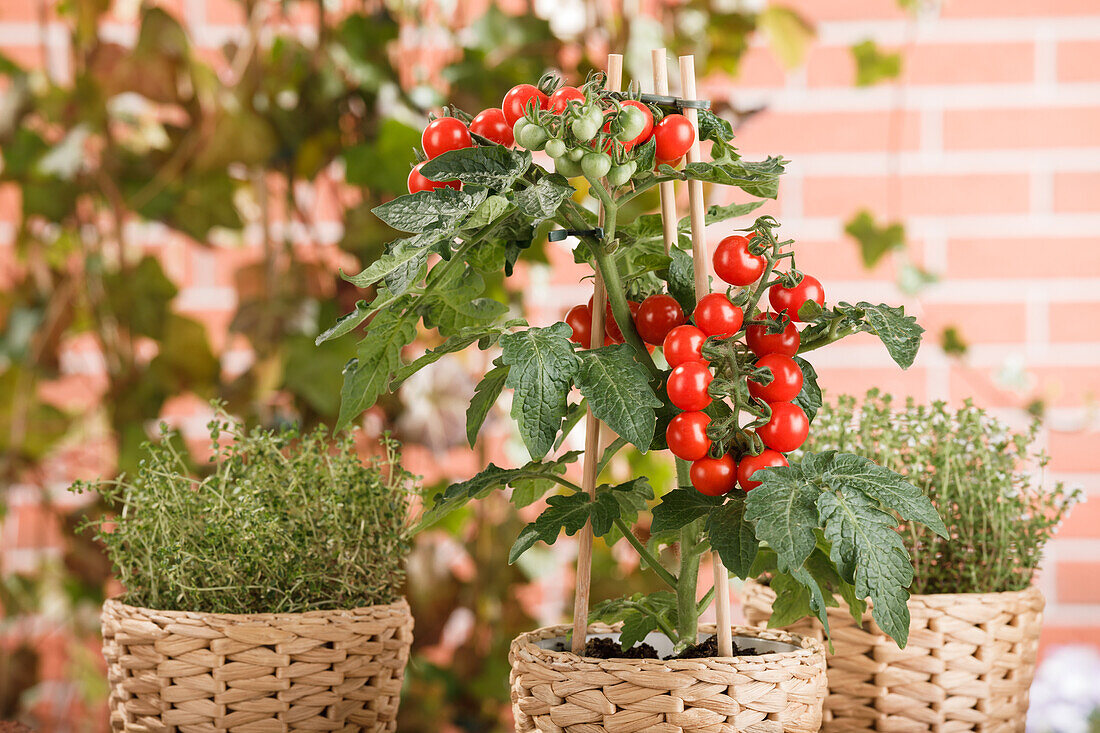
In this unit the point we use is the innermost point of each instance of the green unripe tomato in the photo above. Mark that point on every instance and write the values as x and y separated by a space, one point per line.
555 148
596 165
532 137
576 154
583 129
620 175
567 166
518 128
630 123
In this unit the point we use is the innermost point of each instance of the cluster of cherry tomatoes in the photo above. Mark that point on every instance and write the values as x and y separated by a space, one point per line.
660 321
584 133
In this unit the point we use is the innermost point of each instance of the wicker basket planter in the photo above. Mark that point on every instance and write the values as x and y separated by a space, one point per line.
781 690
967 667
182 672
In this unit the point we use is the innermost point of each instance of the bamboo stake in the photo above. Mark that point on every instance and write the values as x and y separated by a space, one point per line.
700 255
592 428
668 188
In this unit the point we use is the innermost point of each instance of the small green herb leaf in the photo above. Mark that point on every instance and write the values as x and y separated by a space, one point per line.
872 65
874 241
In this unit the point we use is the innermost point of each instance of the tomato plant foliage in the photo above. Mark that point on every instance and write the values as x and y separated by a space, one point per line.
818 525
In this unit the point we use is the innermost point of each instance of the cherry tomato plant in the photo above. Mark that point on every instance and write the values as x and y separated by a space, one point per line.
729 392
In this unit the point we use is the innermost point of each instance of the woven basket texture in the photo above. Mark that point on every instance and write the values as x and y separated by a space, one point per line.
559 692
967 667
182 672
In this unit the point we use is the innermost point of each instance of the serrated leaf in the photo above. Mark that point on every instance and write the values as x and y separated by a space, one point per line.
714 128
618 392
346 323
492 478
378 356
874 241
489 211
453 303
425 211
541 201
681 279
867 547
792 601
847 470
485 396
809 399
899 333
632 497
493 166
757 178
568 513
733 537
680 507
784 508
462 339
543 368
717 214
646 154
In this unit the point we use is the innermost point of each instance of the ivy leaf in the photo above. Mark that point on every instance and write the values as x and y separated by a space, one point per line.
485 396
681 279
541 201
680 507
874 241
453 303
867 547
378 356
899 333
850 471
425 211
492 478
759 178
733 537
568 512
809 399
618 392
345 324
784 508
493 166
543 368
872 65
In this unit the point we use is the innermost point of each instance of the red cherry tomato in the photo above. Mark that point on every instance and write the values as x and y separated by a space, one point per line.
786 379
787 429
791 299
490 123
579 319
714 476
517 99
761 342
418 182
443 134
751 464
684 344
560 99
717 316
687 435
658 315
675 136
735 264
687 385
610 326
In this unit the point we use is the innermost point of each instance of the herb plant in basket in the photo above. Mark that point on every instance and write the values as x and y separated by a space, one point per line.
265 596
976 615
725 390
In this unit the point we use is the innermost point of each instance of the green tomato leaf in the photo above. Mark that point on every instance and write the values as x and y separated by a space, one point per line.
681 279
426 211
680 507
645 155
402 262
867 547
618 392
492 478
489 211
485 396
346 323
460 340
453 303
378 356
717 214
568 513
760 178
792 601
640 614
541 201
632 498
849 471
899 333
784 508
543 368
733 537
809 399
714 128
493 166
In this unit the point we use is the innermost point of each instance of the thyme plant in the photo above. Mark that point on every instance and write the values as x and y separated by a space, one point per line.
285 522
978 473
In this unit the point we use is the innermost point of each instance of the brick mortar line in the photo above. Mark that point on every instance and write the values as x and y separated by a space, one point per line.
959 30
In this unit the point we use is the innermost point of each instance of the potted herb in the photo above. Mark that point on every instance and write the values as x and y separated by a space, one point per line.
727 393
975 612
265 596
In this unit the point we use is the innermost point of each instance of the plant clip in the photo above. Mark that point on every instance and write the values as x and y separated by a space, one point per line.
558 235
675 101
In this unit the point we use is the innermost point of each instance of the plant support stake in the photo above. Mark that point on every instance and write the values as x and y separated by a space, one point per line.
667 188
702 286
592 427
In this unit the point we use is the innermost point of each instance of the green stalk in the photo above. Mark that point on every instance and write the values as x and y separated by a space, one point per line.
687 612
654 563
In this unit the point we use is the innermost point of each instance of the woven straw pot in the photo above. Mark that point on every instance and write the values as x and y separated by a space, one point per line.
967 667
560 692
183 672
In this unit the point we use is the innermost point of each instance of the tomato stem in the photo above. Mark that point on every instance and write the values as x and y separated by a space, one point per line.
641 549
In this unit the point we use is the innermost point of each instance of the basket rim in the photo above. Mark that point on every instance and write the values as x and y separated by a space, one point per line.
115 603
809 647
939 599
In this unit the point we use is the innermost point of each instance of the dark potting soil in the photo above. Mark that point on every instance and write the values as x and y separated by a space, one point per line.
605 648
